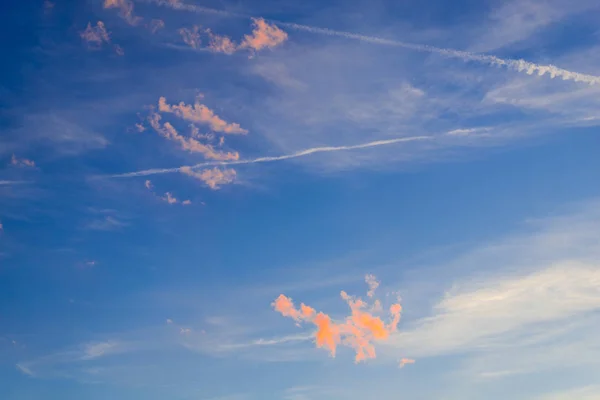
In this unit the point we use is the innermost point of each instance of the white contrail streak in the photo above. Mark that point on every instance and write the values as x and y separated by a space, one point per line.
302 153
518 65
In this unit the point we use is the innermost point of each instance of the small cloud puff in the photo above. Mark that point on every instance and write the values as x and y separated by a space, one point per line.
264 35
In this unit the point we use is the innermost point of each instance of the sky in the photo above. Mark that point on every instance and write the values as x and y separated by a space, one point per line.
238 200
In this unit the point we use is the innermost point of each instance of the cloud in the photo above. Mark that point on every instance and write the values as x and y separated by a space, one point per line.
191 37
25 370
591 392
190 144
148 184
405 361
220 43
214 178
302 153
119 50
199 113
23 162
263 36
169 198
96 350
95 36
156 25
373 284
126 10
521 65
358 331
107 223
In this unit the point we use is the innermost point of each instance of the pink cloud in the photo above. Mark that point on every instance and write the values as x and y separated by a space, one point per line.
186 202
126 10
213 178
140 127
148 185
23 162
191 37
190 144
264 35
200 113
220 43
360 330
94 36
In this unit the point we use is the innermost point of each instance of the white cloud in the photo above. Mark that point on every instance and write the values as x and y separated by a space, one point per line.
581 393
527 305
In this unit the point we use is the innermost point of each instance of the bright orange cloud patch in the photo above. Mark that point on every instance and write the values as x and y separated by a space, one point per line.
200 113
359 330
264 35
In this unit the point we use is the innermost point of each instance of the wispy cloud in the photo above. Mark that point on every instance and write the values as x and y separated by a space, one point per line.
521 65
22 162
191 37
591 392
125 10
358 331
201 114
108 223
95 36
156 24
213 178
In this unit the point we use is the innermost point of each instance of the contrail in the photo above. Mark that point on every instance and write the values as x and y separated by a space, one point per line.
518 65
297 154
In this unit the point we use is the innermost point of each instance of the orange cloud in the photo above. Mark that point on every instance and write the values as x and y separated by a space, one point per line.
200 113
126 10
23 162
214 178
264 35
359 330
220 43
94 36
169 132
191 37
156 24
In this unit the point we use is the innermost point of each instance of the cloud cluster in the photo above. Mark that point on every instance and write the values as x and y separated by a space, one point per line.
214 177
201 114
95 36
359 330
125 10
264 36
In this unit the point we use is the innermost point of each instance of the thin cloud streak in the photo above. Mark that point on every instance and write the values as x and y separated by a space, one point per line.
302 153
519 65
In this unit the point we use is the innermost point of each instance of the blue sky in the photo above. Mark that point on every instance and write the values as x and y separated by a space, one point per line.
169 168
